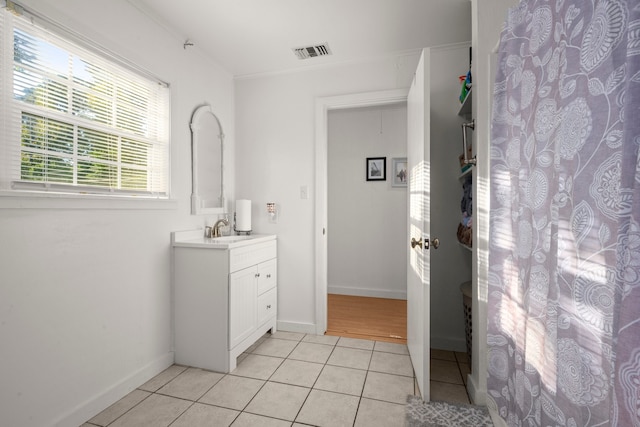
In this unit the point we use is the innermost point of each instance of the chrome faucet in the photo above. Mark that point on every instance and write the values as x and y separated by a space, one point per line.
215 231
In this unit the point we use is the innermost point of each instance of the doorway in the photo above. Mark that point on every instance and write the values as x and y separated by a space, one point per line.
367 254
323 106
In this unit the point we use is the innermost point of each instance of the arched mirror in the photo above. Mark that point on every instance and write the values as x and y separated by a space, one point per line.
207 148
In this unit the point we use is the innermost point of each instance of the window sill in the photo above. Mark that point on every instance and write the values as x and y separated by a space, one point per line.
41 200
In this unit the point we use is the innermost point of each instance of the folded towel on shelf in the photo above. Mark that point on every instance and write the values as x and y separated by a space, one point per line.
465 235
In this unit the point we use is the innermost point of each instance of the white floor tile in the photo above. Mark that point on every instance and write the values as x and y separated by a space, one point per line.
162 378
283 335
390 347
278 401
374 413
341 380
155 411
321 339
391 363
443 355
387 387
275 347
355 343
310 352
200 415
445 371
257 366
191 384
350 358
233 392
252 420
323 408
116 410
297 372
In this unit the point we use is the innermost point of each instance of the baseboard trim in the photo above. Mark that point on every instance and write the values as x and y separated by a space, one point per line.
365 292
117 391
478 397
303 328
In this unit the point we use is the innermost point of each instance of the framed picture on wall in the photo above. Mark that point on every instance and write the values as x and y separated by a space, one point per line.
399 171
376 168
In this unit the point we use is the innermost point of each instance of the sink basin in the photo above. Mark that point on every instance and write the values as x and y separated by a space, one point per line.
230 239
194 239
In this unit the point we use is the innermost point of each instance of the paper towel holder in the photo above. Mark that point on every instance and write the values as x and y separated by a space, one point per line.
239 232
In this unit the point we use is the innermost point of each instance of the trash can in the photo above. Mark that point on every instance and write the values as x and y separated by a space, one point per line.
465 288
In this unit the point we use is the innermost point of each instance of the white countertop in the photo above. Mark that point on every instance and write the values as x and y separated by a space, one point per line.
196 239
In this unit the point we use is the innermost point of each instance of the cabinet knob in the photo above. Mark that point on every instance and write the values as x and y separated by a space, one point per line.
257 274
268 276
269 306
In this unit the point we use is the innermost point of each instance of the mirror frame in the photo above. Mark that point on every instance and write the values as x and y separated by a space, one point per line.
194 125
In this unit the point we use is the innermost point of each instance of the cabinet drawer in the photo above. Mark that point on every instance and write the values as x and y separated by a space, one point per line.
267 277
267 305
247 256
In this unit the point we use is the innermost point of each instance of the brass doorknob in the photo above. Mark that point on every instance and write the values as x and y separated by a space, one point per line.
435 242
415 242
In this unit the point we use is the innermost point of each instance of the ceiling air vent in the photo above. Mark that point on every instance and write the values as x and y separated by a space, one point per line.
312 51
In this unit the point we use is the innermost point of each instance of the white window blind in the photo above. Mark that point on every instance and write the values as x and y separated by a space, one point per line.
75 121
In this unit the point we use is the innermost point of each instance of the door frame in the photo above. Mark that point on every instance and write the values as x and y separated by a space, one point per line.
323 106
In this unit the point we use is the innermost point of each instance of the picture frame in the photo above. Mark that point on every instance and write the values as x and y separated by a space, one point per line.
376 169
399 172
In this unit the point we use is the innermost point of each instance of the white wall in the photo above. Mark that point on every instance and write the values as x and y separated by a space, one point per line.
85 297
367 251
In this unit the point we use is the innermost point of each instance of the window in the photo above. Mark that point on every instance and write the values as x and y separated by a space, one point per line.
76 120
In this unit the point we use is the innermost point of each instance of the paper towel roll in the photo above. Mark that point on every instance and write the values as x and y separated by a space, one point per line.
243 215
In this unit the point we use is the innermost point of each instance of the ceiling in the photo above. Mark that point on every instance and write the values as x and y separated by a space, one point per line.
250 37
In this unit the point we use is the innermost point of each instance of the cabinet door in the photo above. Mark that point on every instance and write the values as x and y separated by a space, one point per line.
242 305
267 276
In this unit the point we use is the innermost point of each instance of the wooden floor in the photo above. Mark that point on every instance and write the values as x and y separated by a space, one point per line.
379 319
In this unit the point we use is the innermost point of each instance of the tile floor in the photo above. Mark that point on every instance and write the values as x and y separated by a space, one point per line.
290 379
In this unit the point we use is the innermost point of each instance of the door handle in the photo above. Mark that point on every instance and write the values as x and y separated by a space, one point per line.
415 243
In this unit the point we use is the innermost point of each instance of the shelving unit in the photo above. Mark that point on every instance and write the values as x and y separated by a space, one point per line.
469 248
466 112
466 172
465 107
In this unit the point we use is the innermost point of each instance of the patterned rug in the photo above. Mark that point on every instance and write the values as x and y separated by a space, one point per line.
442 414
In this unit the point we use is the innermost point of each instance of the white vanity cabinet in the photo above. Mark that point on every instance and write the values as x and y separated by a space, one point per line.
225 298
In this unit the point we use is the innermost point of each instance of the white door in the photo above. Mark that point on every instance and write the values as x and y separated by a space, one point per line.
418 274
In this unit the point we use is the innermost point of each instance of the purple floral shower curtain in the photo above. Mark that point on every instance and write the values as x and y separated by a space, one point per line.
564 280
